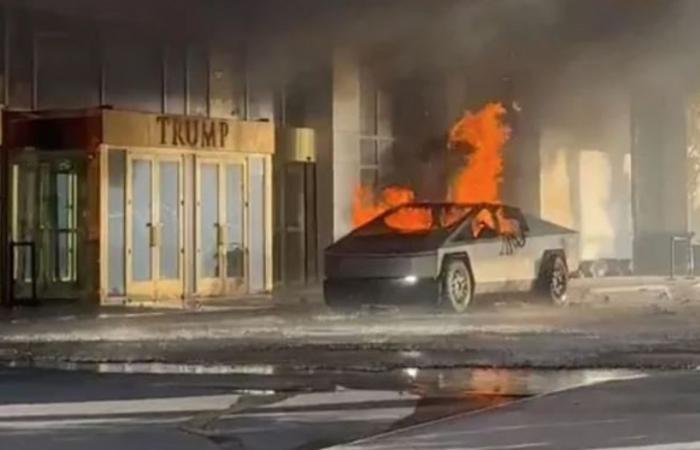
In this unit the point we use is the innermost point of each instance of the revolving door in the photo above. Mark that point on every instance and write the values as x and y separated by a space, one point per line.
48 194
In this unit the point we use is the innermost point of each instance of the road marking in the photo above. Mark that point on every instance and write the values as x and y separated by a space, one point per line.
42 424
114 407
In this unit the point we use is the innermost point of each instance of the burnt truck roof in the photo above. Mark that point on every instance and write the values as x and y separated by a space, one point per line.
376 237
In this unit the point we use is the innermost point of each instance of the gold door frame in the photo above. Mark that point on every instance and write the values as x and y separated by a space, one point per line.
155 288
139 289
171 289
221 285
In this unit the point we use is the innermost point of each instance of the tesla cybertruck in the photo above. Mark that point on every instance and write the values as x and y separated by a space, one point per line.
445 254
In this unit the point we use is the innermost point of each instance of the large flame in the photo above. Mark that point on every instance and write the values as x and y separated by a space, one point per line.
482 137
410 220
366 206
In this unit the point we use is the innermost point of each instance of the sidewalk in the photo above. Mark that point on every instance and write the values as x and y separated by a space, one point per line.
308 300
281 301
659 412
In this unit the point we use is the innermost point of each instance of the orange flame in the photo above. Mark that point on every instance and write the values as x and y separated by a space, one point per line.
483 135
452 216
366 207
410 220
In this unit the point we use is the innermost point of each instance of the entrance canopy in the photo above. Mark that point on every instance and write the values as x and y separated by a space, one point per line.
87 129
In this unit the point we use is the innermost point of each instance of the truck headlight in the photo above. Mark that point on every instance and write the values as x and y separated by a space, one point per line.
410 279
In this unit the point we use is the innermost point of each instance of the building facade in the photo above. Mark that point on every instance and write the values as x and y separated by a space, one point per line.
137 163
189 153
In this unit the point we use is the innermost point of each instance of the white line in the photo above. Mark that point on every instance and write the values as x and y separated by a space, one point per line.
68 423
111 407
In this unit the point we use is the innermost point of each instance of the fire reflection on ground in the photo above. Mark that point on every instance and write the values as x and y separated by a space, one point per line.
446 392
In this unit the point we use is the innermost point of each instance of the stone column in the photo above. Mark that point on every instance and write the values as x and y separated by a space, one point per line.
659 182
346 142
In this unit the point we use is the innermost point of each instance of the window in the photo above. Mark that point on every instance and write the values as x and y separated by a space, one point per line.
375 107
66 186
375 130
116 222
416 219
493 222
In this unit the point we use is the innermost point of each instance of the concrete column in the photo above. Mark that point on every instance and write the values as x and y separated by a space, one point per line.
659 181
584 170
346 143
522 179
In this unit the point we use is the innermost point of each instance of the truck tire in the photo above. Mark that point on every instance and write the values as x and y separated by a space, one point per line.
457 286
554 280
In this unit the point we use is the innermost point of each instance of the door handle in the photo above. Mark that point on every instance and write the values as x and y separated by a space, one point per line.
221 234
154 234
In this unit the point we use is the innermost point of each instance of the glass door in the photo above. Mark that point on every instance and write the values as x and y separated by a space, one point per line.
220 227
154 227
234 238
141 239
169 232
24 228
47 229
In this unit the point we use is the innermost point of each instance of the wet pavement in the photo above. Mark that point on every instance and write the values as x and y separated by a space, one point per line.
245 408
658 412
307 377
654 333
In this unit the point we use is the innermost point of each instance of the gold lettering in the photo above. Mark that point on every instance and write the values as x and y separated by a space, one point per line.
163 122
223 133
177 133
209 134
192 132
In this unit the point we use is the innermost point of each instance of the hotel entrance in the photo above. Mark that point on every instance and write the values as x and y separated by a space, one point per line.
154 224
48 234
130 208
220 220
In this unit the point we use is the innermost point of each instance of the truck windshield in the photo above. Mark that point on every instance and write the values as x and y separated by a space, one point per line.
415 219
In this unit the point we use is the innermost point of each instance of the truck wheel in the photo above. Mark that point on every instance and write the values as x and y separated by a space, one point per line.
457 286
554 280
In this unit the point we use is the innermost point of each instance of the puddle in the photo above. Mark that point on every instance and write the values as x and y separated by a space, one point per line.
425 382
306 408
509 382
147 368
361 405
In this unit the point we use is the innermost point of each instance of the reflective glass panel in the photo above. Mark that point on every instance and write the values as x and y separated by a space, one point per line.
169 220
209 207
141 174
235 252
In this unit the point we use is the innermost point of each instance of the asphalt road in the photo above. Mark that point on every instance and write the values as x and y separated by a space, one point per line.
644 329
76 410
656 413
68 410
227 379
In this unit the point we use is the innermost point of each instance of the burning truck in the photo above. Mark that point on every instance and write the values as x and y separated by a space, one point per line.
458 251
403 251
